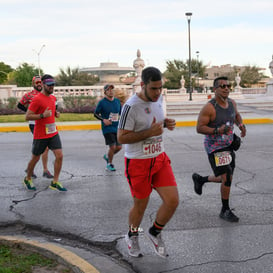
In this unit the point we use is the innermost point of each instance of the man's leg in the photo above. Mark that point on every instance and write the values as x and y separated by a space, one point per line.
170 201
111 152
31 165
57 164
135 217
46 172
137 211
45 159
55 184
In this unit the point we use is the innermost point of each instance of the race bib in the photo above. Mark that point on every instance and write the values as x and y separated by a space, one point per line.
51 128
152 146
222 158
113 116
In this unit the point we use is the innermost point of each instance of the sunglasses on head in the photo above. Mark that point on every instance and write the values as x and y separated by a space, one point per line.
223 86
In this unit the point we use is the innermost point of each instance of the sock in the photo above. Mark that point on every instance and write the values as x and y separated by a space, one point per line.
225 203
156 229
204 179
133 231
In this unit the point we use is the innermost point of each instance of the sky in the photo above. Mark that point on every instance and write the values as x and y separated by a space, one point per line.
85 33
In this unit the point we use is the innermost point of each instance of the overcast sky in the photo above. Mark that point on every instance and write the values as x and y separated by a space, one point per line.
84 33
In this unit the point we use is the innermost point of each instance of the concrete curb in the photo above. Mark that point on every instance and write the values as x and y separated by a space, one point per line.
52 251
77 126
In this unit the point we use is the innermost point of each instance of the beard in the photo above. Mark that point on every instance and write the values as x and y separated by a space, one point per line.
146 95
39 88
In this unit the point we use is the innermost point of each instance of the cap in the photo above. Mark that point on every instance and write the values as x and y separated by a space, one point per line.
107 86
35 77
48 79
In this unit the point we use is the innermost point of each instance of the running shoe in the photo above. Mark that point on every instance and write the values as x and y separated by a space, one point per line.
57 186
197 183
133 246
110 167
106 158
158 244
47 174
34 176
29 185
229 216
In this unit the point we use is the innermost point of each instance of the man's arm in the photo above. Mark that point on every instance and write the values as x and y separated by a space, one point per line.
21 107
169 123
30 115
129 137
203 120
239 120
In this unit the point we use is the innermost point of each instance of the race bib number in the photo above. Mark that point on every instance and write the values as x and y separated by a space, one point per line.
113 116
152 146
222 158
51 128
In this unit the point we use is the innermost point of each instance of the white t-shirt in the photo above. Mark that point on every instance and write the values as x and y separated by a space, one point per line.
138 115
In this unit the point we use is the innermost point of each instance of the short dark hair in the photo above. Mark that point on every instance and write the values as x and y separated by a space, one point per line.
150 74
215 82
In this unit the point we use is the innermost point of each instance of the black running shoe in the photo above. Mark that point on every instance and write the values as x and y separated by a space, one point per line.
229 216
197 183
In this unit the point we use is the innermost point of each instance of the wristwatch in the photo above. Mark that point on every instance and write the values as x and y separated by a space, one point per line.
41 115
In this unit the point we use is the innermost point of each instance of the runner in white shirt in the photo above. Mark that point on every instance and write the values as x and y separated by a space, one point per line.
147 166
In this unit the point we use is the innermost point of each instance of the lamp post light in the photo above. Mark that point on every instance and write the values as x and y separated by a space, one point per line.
197 56
38 55
189 14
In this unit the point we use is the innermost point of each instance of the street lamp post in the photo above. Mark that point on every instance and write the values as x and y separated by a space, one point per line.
197 56
189 14
38 55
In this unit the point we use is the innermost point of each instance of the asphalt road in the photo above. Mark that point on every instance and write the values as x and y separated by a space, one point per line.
92 215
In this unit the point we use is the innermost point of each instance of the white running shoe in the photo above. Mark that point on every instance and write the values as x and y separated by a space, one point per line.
158 244
133 246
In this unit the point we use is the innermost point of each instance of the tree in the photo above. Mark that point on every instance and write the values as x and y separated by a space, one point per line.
177 68
24 73
73 77
250 75
5 69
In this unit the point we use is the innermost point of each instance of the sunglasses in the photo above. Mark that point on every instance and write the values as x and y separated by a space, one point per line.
37 82
50 84
223 86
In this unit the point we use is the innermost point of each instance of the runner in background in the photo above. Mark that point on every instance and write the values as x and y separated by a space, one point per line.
23 105
43 110
107 111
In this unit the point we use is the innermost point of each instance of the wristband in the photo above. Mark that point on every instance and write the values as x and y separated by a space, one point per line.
41 116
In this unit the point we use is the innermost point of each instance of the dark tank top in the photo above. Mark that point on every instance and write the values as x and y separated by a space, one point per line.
223 116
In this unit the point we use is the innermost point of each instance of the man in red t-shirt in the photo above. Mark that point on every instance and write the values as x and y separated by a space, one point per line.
23 105
43 110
